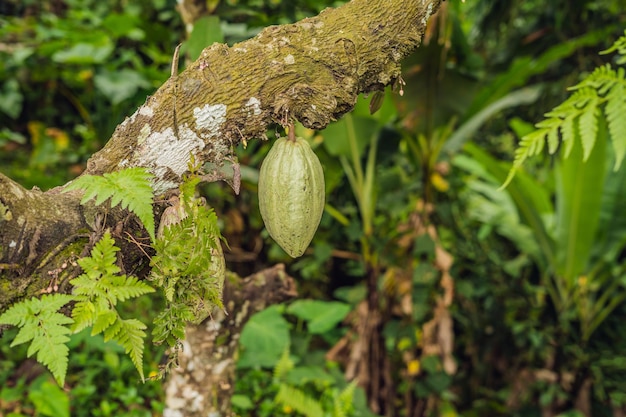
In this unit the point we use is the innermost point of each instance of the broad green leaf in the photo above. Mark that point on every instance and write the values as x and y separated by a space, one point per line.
241 401
84 53
263 339
206 31
579 190
336 134
611 238
305 374
50 400
531 198
120 85
11 98
124 25
467 130
321 316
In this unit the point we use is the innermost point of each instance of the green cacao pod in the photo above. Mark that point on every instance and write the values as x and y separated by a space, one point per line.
291 194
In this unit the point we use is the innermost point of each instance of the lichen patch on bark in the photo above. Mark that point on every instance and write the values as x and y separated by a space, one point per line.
209 119
167 154
253 106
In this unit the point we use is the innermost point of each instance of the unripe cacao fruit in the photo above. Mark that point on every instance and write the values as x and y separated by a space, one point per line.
291 194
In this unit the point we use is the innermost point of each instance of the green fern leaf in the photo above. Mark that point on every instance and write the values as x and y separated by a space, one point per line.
131 337
588 127
528 146
188 266
169 325
101 261
577 117
46 329
620 47
343 402
103 321
87 285
122 287
111 332
98 290
553 140
299 401
284 365
129 187
615 112
569 135
84 314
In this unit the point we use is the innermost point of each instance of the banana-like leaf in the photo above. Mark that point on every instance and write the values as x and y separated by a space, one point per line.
579 192
465 132
531 198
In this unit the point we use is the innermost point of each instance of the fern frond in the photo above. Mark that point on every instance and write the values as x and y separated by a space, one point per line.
84 314
122 287
46 329
169 325
342 403
284 365
568 131
615 112
620 47
102 259
530 145
588 127
603 92
131 336
129 187
111 332
299 401
98 290
103 321
603 89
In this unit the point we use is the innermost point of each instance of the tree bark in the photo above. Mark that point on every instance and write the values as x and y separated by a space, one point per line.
203 383
311 71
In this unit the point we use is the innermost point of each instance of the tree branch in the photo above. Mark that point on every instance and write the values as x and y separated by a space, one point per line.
311 71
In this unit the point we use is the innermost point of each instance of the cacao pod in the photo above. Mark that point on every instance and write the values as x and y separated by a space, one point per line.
291 194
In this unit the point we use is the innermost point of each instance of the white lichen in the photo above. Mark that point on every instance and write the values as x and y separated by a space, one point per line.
289 59
209 118
146 111
253 106
143 133
165 153
429 12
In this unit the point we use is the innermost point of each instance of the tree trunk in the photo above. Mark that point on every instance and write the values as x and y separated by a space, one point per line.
204 382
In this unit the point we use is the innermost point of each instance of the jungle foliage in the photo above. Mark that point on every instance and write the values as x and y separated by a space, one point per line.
492 300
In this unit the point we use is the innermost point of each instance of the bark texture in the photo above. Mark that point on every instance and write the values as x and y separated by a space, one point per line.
203 384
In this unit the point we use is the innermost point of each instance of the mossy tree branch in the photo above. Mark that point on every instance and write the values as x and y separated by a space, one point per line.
311 71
